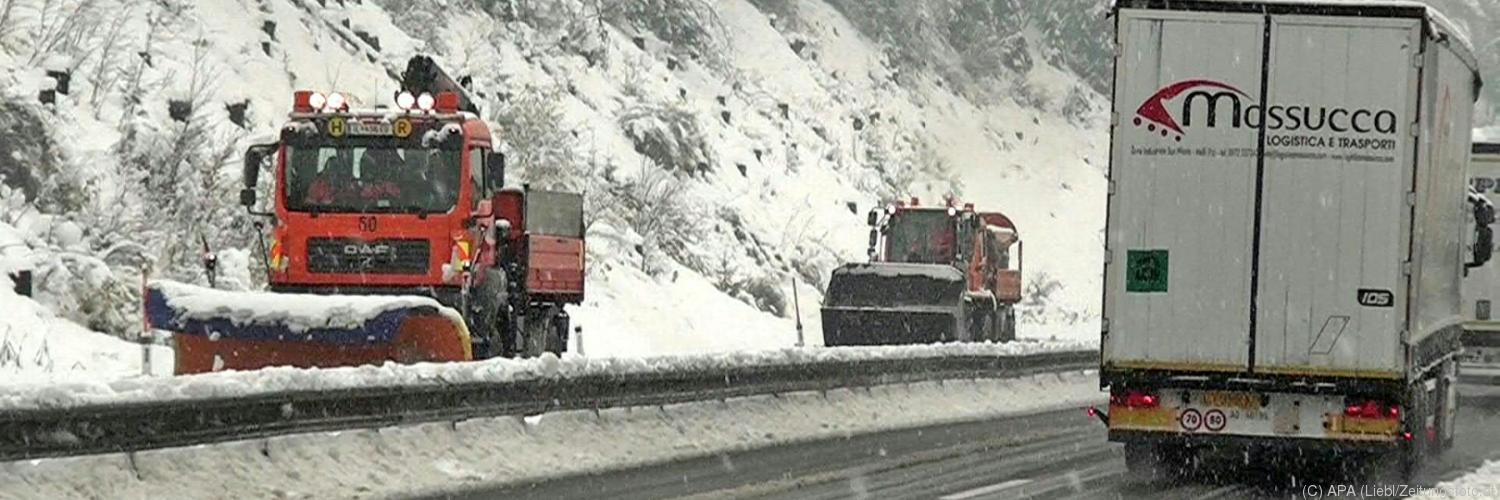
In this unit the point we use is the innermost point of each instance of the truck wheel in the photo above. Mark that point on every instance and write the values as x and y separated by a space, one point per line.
979 325
541 333
488 325
1404 464
1005 330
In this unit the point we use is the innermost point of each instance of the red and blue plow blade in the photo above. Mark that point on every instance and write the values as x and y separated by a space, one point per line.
223 330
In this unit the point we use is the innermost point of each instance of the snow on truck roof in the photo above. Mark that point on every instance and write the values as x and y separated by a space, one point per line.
1437 22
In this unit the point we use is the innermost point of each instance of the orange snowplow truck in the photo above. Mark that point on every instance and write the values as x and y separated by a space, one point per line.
936 274
403 201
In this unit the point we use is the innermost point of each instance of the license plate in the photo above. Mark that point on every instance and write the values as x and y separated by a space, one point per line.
371 128
1241 400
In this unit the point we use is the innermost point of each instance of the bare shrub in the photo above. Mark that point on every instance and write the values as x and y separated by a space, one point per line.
655 205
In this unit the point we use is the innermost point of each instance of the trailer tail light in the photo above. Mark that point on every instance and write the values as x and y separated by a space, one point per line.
425 102
1135 399
1372 409
405 100
336 102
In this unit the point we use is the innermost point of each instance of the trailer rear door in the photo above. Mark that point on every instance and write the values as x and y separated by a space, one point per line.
1182 183
1334 219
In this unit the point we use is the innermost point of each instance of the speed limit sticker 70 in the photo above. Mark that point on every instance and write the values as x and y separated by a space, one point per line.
1190 420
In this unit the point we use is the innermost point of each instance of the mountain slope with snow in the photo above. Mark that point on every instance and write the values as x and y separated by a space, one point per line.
728 150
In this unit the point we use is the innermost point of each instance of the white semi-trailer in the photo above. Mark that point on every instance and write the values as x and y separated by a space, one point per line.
1482 285
1285 241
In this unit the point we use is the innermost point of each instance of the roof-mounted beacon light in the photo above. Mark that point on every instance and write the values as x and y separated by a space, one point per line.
447 102
302 101
317 101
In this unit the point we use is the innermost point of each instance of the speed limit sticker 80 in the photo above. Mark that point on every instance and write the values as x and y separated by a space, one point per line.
1192 420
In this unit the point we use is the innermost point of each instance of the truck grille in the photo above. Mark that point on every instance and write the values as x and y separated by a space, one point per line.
349 256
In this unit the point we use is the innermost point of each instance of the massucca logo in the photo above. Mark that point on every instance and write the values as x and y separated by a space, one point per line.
1214 104
1156 117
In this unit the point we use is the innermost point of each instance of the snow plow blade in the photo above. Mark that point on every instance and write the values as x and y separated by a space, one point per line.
222 330
893 303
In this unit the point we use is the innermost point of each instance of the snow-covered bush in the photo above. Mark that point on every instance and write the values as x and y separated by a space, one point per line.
67 275
655 205
668 134
691 27
541 151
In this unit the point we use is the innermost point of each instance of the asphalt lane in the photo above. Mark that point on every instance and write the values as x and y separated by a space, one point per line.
1047 455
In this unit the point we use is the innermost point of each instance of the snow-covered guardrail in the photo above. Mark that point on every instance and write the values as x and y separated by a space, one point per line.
154 413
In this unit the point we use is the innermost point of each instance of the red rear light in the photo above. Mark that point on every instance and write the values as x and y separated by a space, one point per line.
1136 399
1372 409
1406 436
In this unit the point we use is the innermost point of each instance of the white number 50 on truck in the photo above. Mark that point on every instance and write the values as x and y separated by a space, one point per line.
1285 241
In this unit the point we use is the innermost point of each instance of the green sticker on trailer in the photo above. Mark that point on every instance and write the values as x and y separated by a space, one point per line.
1146 271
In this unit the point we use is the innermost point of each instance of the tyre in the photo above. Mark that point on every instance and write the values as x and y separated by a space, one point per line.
979 324
487 324
540 332
1005 327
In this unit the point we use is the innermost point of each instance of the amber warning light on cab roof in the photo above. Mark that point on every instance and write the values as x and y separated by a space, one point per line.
308 101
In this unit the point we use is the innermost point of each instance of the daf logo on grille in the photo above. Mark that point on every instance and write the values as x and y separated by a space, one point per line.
369 250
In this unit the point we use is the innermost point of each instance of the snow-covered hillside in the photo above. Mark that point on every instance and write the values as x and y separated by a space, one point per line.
728 149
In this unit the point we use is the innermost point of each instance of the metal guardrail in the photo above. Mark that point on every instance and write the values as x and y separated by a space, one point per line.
39 433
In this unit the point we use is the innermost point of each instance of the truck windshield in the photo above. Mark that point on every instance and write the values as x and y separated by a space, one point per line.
371 179
920 236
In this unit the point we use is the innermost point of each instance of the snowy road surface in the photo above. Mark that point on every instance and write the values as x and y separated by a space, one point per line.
476 454
1052 454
